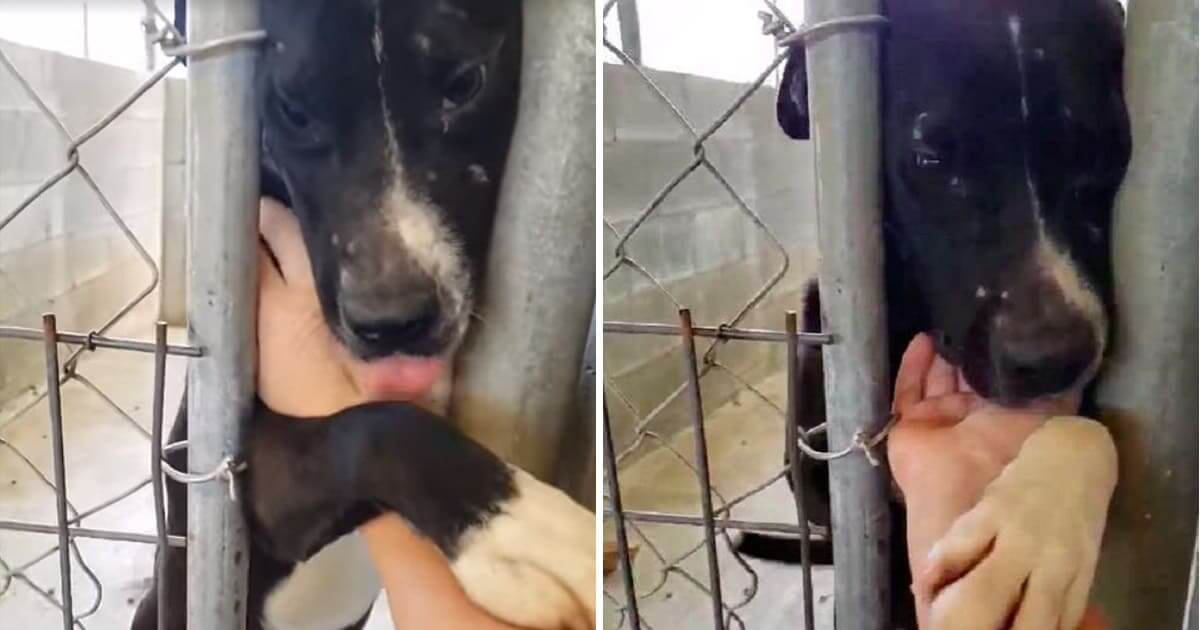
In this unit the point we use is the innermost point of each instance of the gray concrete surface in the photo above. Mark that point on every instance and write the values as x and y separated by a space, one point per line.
105 455
64 252
698 244
745 437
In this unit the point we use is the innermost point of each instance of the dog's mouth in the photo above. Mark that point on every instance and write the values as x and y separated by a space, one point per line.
400 376
998 379
385 368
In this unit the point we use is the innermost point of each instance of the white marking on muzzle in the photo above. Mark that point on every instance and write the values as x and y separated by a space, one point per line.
1051 259
414 222
1078 293
393 148
430 244
1014 31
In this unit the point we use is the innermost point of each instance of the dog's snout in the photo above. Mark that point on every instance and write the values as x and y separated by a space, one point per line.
1042 356
394 318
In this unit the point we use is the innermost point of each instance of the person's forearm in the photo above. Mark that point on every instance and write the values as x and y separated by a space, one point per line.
422 591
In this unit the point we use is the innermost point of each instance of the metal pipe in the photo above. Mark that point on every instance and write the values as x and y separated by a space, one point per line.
701 450
717 332
99 341
54 396
86 532
619 516
1147 395
845 112
156 472
223 166
718 523
795 463
631 29
577 459
516 386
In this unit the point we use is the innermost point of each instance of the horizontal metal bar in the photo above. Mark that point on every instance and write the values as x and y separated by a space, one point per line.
84 532
717 332
98 341
720 523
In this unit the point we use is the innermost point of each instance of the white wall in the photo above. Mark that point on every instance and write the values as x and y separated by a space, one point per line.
108 31
64 253
721 39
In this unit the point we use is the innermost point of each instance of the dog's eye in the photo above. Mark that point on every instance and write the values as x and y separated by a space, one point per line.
463 86
292 124
291 114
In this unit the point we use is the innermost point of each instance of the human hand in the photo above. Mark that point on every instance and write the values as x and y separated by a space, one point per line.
947 432
303 370
991 544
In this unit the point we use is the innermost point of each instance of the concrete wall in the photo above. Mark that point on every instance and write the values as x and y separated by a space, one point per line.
64 253
699 245
172 305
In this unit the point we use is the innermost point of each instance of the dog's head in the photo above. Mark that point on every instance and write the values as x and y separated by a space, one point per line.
1005 138
386 124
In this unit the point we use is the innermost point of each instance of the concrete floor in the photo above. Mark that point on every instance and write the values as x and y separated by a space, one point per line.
105 455
745 438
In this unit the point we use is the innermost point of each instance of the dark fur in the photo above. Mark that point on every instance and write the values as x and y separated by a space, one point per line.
326 155
958 210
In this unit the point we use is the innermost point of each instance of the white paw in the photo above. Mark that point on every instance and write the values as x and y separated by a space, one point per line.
533 565
1027 551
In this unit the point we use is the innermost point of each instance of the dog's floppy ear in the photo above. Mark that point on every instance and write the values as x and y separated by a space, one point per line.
791 106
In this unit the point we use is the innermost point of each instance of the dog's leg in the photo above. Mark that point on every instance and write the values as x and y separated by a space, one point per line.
810 413
521 549
1027 551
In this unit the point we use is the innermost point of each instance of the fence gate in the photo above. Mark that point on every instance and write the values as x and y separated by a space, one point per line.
840 37
223 187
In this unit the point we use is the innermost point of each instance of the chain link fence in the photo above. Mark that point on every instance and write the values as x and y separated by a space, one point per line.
72 519
648 429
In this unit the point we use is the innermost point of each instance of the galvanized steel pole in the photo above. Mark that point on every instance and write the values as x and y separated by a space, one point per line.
631 29
516 387
845 108
223 141
1147 395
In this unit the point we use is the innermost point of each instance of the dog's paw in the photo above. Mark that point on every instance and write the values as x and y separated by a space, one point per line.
534 564
1027 551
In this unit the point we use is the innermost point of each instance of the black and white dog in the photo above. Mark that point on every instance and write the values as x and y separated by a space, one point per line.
386 124
1005 139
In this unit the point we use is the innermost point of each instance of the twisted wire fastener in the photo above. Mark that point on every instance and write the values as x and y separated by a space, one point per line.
226 470
858 442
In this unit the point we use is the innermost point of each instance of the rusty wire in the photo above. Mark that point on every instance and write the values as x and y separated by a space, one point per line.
718 519
161 32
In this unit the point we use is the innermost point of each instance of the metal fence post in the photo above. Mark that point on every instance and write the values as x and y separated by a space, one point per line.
631 29
1147 396
843 73
517 384
223 142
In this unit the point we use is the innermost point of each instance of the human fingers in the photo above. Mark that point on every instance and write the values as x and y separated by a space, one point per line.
941 379
268 273
1042 601
910 379
281 231
984 598
941 412
968 543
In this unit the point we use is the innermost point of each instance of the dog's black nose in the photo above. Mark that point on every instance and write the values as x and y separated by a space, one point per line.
406 325
1039 358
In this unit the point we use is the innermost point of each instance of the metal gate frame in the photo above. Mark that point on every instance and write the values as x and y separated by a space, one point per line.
842 52
223 180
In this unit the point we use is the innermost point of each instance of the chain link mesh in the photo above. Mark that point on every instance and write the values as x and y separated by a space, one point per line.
649 430
159 31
